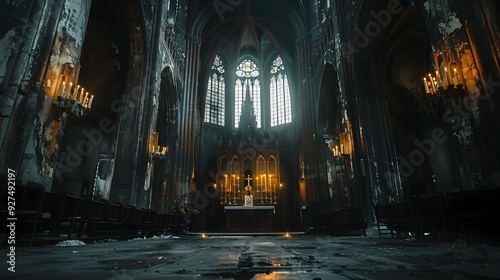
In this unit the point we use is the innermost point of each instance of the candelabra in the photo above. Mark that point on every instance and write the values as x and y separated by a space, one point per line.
156 151
71 100
440 97
341 147
446 86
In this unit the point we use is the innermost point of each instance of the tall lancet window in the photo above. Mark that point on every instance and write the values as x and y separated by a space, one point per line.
214 104
247 73
281 112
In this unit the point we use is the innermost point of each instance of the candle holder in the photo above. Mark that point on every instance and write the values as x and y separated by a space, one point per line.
446 86
73 101
156 151
275 196
69 107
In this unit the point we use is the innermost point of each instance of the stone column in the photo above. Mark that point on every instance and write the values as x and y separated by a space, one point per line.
25 51
129 108
51 36
188 122
308 123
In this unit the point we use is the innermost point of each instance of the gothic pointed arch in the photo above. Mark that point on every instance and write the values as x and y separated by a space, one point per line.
247 86
216 94
279 92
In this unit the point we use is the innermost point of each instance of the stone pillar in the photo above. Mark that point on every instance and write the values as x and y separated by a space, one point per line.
308 122
467 29
129 109
483 36
25 51
50 35
143 165
188 122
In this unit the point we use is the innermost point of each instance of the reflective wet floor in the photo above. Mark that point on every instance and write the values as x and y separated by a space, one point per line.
258 257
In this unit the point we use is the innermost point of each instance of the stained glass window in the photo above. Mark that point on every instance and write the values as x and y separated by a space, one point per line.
216 94
277 65
247 69
247 73
218 65
281 112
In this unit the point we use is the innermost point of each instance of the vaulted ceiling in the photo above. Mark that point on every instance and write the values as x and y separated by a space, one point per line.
254 27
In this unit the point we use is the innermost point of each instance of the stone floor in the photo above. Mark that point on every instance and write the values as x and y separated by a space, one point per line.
257 257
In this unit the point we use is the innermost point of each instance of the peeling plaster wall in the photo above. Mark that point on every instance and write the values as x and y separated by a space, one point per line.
17 37
441 18
65 49
8 49
16 14
104 178
34 24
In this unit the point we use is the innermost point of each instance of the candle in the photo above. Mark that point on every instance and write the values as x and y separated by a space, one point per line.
80 96
62 89
342 148
69 90
90 102
75 93
87 101
432 85
455 76
439 79
446 76
225 180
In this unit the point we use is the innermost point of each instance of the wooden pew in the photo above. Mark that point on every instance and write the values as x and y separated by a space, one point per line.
103 220
48 224
430 217
134 225
479 212
153 225
26 204
73 215
349 221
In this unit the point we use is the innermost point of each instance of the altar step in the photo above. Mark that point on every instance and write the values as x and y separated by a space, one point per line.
276 233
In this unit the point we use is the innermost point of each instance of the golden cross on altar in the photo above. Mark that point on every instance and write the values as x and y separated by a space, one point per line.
248 179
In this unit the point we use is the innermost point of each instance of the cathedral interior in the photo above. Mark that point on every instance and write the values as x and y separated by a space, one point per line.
287 118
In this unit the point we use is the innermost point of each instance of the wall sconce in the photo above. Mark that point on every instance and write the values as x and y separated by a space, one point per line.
155 150
448 80
71 99
337 150
345 143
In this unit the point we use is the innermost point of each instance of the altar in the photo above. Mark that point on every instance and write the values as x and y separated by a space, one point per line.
249 218
248 178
